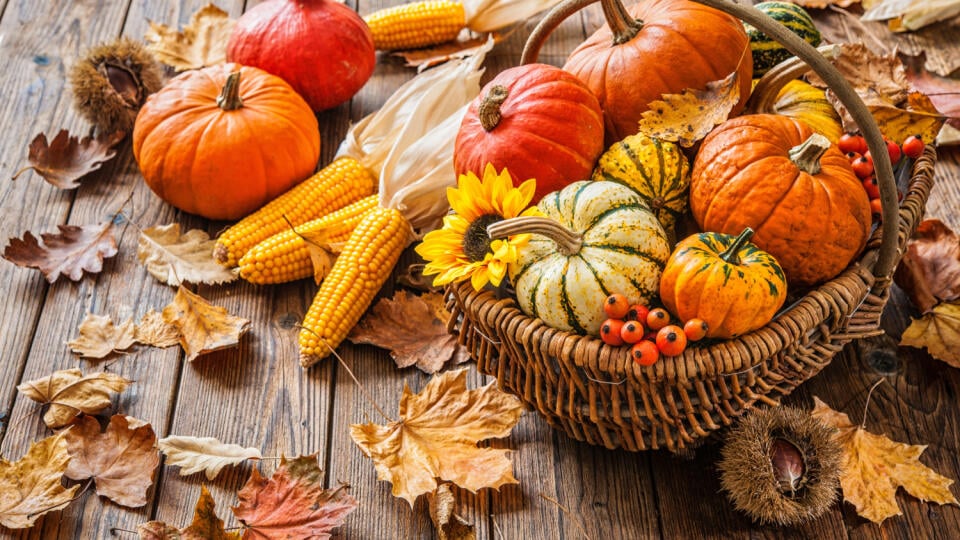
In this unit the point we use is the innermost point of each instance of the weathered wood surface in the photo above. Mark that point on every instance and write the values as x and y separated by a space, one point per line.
257 395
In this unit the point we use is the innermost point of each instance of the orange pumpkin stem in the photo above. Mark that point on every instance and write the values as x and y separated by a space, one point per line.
229 98
806 155
568 242
489 110
731 255
623 26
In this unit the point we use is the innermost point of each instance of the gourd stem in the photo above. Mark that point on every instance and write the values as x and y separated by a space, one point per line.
489 110
621 24
806 155
568 242
731 254
229 98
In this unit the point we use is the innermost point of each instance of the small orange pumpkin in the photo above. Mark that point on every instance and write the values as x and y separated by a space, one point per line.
222 141
797 191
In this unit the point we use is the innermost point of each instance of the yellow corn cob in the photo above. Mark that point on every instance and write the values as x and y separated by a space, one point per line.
285 256
361 269
338 184
417 24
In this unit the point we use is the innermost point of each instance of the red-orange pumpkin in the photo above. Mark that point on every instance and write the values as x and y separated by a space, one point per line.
797 191
321 47
221 145
662 47
535 120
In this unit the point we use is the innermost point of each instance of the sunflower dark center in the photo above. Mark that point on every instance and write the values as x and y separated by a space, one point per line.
476 241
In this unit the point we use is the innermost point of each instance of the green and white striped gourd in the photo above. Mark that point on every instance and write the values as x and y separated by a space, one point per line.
768 52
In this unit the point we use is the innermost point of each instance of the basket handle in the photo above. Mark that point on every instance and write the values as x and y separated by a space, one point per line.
883 169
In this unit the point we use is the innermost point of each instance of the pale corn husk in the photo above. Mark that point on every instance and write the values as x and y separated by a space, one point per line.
907 15
408 142
489 15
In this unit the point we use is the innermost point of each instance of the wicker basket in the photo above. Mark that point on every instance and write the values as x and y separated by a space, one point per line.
596 393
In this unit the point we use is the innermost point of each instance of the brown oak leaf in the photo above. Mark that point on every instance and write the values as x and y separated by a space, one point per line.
69 393
71 252
292 503
437 436
930 269
155 331
205 525
121 460
201 43
196 454
938 331
31 486
173 258
203 326
448 524
65 160
409 327
688 117
99 336
872 467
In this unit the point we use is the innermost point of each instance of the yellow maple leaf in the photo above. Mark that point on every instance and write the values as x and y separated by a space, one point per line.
203 42
69 393
99 336
437 435
687 117
30 486
939 331
173 258
206 525
872 467
203 326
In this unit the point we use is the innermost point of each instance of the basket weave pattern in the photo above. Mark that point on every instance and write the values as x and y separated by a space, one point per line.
595 393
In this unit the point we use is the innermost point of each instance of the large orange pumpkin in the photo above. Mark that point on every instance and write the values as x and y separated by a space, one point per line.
658 47
222 141
797 191
535 120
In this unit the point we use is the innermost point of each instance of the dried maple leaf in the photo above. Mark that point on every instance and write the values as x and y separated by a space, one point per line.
65 160
203 326
872 467
69 393
908 15
155 331
688 117
944 92
71 252
30 487
203 42
437 436
205 526
173 258
463 47
99 336
292 503
195 454
938 331
930 269
408 326
448 524
121 460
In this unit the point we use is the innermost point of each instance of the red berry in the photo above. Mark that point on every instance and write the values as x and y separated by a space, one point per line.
695 329
645 353
671 340
657 318
863 167
616 306
851 142
913 146
638 312
872 187
610 332
875 207
632 331
893 150
853 156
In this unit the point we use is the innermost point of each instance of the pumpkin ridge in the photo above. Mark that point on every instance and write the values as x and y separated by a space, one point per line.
627 250
556 146
637 205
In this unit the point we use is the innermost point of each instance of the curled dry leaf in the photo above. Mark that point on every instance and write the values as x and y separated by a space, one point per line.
71 252
292 503
930 269
448 524
31 486
196 454
65 160
203 327
173 258
201 43
872 467
463 47
410 328
820 4
944 92
437 436
69 393
155 331
121 460
688 117
206 524
908 15
99 336
938 331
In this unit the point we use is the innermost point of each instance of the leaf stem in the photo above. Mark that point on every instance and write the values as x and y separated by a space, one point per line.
21 171
863 424
567 511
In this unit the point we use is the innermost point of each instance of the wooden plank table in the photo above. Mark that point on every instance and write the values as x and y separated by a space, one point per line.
257 395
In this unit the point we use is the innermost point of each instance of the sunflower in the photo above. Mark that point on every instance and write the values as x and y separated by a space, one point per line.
461 249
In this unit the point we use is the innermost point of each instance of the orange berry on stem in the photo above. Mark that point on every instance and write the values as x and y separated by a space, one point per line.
645 353
632 331
610 332
695 329
638 312
616 306
671 340
875 207
657 318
